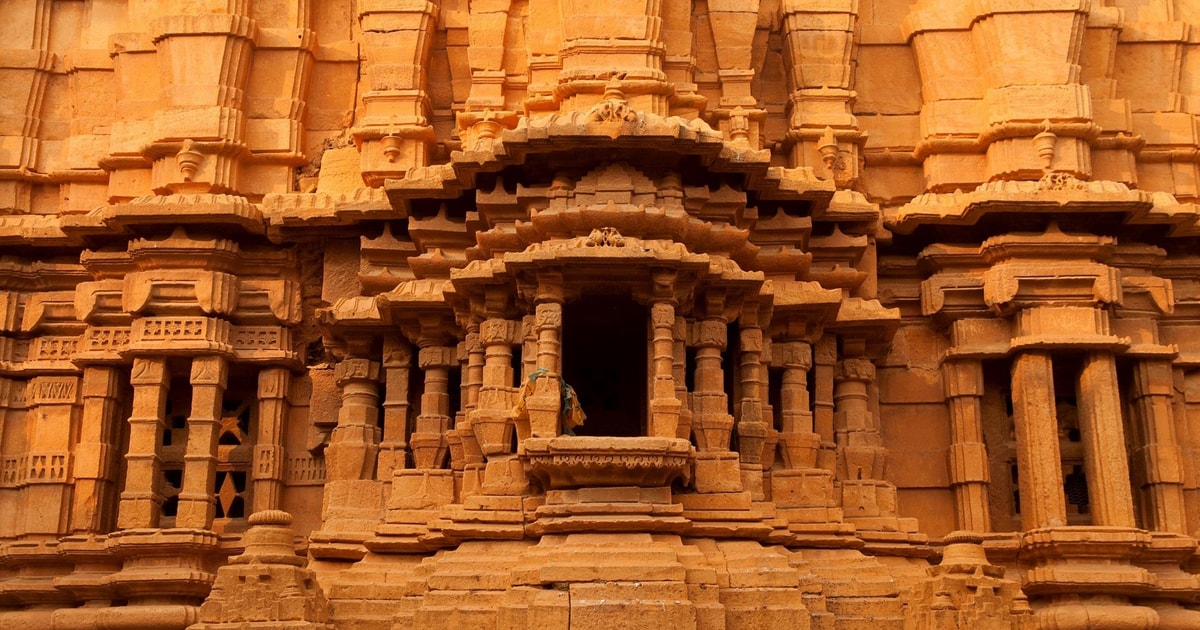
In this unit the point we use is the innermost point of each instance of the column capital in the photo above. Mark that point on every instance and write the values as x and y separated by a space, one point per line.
548 315
709 333
396 352
751 338
792 355
437 357
356 369
662 314
209 370
149 371
273 383
962 377
856 369
496 331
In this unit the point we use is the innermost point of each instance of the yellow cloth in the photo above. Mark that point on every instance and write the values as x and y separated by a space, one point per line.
570 414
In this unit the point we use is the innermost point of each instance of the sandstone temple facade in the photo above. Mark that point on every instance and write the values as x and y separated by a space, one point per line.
882 314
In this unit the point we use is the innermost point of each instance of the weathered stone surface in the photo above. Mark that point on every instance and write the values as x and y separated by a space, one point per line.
817 314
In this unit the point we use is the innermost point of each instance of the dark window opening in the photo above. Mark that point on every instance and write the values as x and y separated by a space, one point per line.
454 387
1075 488
1016 485
604 358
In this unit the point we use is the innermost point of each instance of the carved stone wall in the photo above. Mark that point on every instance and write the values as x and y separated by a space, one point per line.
819 314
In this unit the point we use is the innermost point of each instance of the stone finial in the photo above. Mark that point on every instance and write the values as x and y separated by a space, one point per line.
828 149
189 160
1044 143
391 146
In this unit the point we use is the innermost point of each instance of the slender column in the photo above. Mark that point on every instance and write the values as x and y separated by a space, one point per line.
968 456
860 451
1038 459
273 384
196 501
549 328
796 412
459 423
664 405
528 347
1187 427
397 359
798 436
544 405
1158 446
752 430
824 365
13 449
429 437
713 423
476 358
679 371
492 419
140 500
354 443
496 336
94 454
1104 456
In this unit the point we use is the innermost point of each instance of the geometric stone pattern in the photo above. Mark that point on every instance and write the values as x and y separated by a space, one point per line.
881 314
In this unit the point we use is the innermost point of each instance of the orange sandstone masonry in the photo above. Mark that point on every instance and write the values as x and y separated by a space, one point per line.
883 314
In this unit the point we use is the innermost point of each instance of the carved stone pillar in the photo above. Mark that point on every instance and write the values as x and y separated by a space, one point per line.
528 346
353 498
752 429
95 452
824 366
269 453
419 492
140 499
868 500
472 384
491 420
473 376
664 405
712 423
679 369
196 502
1158 451
861 455
549 330
429 442
397 359
968 456
53 409
354 443
1104 456
799 440
545 404
1038 459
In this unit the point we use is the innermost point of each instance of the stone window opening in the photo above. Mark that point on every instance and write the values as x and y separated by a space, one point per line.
1073 444
231 488
1000 440
174 447
1076 491
605 354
